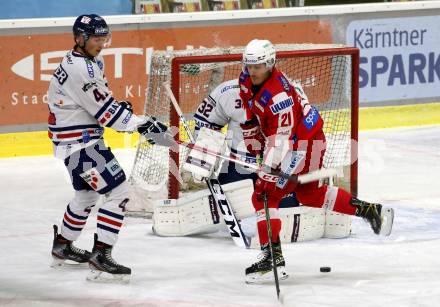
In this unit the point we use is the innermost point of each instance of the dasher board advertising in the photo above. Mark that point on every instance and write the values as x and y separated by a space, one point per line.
400 57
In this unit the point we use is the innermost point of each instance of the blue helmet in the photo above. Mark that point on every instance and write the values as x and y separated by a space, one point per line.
90 24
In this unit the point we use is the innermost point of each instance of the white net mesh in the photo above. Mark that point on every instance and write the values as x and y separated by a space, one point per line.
325 79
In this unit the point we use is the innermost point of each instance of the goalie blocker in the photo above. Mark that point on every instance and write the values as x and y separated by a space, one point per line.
196 213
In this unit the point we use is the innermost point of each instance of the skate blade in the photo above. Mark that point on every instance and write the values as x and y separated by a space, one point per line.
104 277
60 264
387 216
257 278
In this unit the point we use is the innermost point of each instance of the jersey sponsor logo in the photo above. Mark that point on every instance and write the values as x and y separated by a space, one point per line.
99 131
228 87
113 167
265 97
243 76
278 107
90 69
60 74
284 83
94 179
69 59
311 119
100 64
88 86
295 160
85 136
127 118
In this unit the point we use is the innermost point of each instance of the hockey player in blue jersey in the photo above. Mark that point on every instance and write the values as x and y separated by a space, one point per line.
80 105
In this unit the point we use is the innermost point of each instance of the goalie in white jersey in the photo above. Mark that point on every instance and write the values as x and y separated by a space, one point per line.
80 105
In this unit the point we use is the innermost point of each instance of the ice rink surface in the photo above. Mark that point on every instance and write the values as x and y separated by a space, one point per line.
398 167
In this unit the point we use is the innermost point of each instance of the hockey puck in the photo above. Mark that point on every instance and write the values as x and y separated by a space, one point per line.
325 269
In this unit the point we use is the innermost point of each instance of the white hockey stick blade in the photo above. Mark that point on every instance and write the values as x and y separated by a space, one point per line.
387 216
318 174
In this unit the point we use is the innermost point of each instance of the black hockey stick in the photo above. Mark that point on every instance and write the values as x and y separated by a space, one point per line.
213 184
269 233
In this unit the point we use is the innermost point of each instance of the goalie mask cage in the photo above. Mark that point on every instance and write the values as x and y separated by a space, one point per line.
327 73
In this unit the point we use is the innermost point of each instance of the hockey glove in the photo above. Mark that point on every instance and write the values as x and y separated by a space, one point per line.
156 132
273 186
126 105
253 137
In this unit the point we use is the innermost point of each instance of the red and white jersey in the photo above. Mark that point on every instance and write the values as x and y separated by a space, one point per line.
283 112
81 104
223 106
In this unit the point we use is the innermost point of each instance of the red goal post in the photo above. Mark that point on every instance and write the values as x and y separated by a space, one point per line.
329 75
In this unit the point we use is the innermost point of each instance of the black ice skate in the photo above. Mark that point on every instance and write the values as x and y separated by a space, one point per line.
380 218
64 253
103 267
261 271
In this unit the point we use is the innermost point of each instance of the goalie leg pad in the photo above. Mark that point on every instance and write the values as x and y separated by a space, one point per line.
191 214
337 225
197 213
299 224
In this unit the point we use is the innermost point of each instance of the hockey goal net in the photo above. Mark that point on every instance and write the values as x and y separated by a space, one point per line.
328 74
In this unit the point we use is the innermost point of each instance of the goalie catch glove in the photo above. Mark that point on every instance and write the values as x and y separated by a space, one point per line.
156 132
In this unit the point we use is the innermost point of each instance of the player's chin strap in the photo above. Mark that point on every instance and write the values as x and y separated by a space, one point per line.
83 47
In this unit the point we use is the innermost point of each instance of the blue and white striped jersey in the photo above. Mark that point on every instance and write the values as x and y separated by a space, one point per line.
81 104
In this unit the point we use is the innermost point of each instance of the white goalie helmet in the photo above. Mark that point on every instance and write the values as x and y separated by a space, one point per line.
259 51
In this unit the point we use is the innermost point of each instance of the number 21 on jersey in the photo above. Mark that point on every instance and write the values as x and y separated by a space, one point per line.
285 119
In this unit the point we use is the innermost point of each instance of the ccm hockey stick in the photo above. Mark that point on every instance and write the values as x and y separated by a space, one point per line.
269 234
213 184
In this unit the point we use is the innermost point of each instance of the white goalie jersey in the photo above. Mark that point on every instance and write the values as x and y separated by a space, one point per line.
222 107
81 104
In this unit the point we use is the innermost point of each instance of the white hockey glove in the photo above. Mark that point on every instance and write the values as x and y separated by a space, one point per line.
156 132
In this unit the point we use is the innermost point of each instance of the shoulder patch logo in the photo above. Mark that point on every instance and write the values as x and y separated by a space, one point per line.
100 65
278 107
228 87
90 68
284 83
265 97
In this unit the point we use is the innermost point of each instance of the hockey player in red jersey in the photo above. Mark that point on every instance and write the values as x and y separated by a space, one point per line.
288 132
